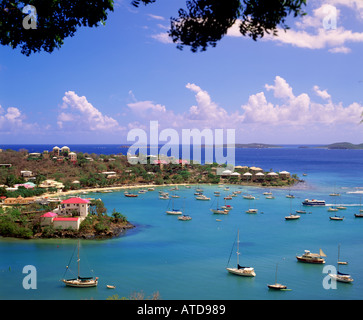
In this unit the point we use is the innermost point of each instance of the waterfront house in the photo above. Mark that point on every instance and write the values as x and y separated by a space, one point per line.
74 206
272 175
247 175
67 223
284 174
259 176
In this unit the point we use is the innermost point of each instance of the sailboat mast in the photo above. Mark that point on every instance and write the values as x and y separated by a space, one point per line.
78 260
237 248
338 257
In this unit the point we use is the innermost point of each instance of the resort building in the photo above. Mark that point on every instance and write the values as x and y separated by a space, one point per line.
256 169
72 156
56 151
284 174
65 150
19 200
73 206
272 175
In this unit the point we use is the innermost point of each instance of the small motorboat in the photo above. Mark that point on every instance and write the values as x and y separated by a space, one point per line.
110 286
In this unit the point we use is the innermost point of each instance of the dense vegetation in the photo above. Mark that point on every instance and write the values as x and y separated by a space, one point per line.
24 222
86 173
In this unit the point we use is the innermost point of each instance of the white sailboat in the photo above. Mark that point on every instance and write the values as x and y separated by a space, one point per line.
240 271
219 210
339 276
173 211
251 210
80 282
292 216
277 286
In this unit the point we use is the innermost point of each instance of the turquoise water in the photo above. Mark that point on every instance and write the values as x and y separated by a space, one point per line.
187 259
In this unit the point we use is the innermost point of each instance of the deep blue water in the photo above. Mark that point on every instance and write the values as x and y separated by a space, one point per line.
187 260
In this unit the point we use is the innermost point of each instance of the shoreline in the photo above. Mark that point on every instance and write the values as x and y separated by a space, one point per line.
137 186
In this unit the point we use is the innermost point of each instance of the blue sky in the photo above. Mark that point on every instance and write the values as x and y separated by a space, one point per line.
303 87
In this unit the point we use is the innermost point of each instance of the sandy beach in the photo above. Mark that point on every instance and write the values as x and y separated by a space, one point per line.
145 186
137 186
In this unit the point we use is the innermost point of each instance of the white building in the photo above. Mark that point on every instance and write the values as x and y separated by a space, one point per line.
72 205
65 223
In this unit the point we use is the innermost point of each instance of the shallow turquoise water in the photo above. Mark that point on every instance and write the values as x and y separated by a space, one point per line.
187 259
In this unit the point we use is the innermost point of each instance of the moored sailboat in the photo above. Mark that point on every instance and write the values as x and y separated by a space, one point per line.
276 286
173 210
239 270
218 210
80 282
339 276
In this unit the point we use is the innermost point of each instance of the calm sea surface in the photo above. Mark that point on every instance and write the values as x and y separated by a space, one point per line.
187 259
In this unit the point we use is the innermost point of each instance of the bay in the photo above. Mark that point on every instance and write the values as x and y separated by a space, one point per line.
187 259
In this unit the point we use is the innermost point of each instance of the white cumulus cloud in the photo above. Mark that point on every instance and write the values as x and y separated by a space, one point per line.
84 115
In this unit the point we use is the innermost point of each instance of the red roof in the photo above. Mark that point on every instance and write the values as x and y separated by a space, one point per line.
65 219
49 215
75 200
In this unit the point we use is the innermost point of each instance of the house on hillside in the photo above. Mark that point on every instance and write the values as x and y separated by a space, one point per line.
51 184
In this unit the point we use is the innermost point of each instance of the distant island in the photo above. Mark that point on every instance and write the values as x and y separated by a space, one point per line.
344 145
254 145
338 145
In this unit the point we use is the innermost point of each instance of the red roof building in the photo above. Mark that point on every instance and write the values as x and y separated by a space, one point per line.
74 205
49 215
65 219
66 223
75 201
